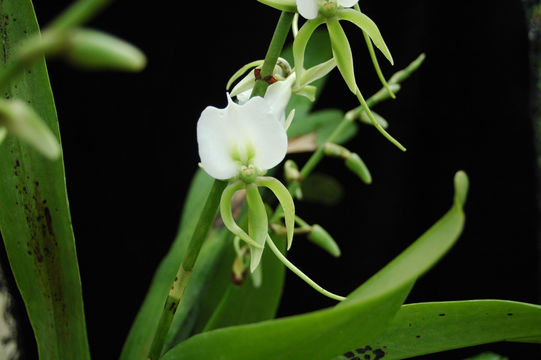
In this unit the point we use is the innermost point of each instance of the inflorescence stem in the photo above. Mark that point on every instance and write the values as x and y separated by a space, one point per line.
211 206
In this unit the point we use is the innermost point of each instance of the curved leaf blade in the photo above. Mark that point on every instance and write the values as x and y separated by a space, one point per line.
322 334
427 328
34 212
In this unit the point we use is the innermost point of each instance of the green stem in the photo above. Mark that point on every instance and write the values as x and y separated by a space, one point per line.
211 206
186 267
275 49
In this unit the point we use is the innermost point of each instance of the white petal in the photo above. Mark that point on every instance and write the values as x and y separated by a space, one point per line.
278 95
347 3
244 96
262 128
214 138
308 8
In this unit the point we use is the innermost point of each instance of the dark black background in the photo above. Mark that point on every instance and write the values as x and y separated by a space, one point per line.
130 151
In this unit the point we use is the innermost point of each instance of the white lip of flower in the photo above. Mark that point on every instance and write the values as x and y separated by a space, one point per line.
309 9
247 137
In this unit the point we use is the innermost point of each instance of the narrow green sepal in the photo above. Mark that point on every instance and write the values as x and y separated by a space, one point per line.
342 53
317 72
283 5
376 65
308 92
367 25
242 70
227 214
299 46
324 240
20 120
93 49
258 224
286 201
357 165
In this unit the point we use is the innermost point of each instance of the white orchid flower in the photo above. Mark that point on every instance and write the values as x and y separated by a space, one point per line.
309 9
240 138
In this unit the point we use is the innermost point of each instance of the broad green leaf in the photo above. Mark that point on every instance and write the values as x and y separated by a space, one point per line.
427 328
141 334
342 53
369 27
361 318
34 213
228 304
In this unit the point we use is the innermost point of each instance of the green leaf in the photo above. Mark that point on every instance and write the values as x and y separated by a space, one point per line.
361 318
228 304
369 27
488 356
34 213
427 328
142 331
342 53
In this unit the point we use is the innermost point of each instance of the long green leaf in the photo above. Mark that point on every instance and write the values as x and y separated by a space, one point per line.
140 337
428 328
360 318
34 213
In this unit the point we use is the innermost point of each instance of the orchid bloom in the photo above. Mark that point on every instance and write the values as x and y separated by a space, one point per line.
309 9
240 143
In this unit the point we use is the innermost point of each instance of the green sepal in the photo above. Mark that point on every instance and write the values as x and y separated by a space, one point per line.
369 27
283 5
342 53
20 120
227 213
242 70
94 49
357 165
308 92
299 45
324 240
286 201
258 224
317 72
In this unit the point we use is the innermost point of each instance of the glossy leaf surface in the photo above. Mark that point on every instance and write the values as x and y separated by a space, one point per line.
34 214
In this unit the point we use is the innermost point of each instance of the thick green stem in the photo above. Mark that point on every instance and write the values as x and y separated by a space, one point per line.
211 206
186 267
274 51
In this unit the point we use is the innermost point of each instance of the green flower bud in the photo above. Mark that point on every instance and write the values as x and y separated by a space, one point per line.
97 50
20 120
324 240
357 165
